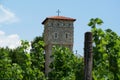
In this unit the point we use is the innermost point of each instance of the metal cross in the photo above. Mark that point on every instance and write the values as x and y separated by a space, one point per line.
58 12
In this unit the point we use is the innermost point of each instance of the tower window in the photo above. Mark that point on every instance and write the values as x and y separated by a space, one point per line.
62 24
57 24
55 35
69 24
67 35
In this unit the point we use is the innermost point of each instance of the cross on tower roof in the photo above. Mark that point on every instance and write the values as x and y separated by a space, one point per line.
58 12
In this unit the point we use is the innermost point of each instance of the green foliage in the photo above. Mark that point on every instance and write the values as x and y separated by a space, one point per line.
106 50
37 53
79 68
61 65
95 21
15 64
22 64
65 65
7 69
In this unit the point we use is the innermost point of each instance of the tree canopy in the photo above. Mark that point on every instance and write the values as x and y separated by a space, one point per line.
106 52
24 64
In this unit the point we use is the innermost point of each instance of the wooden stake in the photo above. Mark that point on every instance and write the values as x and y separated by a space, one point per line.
88 56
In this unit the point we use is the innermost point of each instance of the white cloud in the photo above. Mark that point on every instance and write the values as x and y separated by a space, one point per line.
2 33
6 16
12 41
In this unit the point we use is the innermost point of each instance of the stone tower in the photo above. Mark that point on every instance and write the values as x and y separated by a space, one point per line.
58 30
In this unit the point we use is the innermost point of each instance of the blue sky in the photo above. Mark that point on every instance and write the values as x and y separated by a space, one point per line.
21 19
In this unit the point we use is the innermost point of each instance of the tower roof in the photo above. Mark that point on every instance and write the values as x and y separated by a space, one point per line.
58 18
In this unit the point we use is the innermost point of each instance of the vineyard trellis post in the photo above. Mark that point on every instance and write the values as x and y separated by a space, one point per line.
88 57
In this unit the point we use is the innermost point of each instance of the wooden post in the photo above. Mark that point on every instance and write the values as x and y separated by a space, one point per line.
88 56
